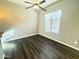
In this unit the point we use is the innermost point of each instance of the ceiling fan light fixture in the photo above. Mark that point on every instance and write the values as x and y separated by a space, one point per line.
36 7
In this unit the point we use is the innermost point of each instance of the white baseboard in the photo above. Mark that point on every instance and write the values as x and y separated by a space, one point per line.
15 38
18 37
61 42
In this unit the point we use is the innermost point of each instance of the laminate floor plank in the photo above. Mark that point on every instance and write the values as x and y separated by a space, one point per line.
38 47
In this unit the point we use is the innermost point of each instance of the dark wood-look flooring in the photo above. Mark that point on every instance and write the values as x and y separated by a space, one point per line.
38 47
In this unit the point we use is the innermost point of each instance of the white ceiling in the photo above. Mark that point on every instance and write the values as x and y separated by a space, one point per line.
21 2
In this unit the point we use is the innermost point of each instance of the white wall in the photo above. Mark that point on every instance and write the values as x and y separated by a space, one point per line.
1 51
69 28
22 21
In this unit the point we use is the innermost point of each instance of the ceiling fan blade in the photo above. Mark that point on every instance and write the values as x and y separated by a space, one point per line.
42 2
28 2
42 8
29 7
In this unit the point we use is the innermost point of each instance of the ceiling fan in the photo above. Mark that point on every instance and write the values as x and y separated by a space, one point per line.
36 5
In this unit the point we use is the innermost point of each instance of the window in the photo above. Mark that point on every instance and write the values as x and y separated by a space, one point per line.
52 21
8 34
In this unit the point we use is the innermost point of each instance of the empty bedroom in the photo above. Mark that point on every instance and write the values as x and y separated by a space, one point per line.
39 29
